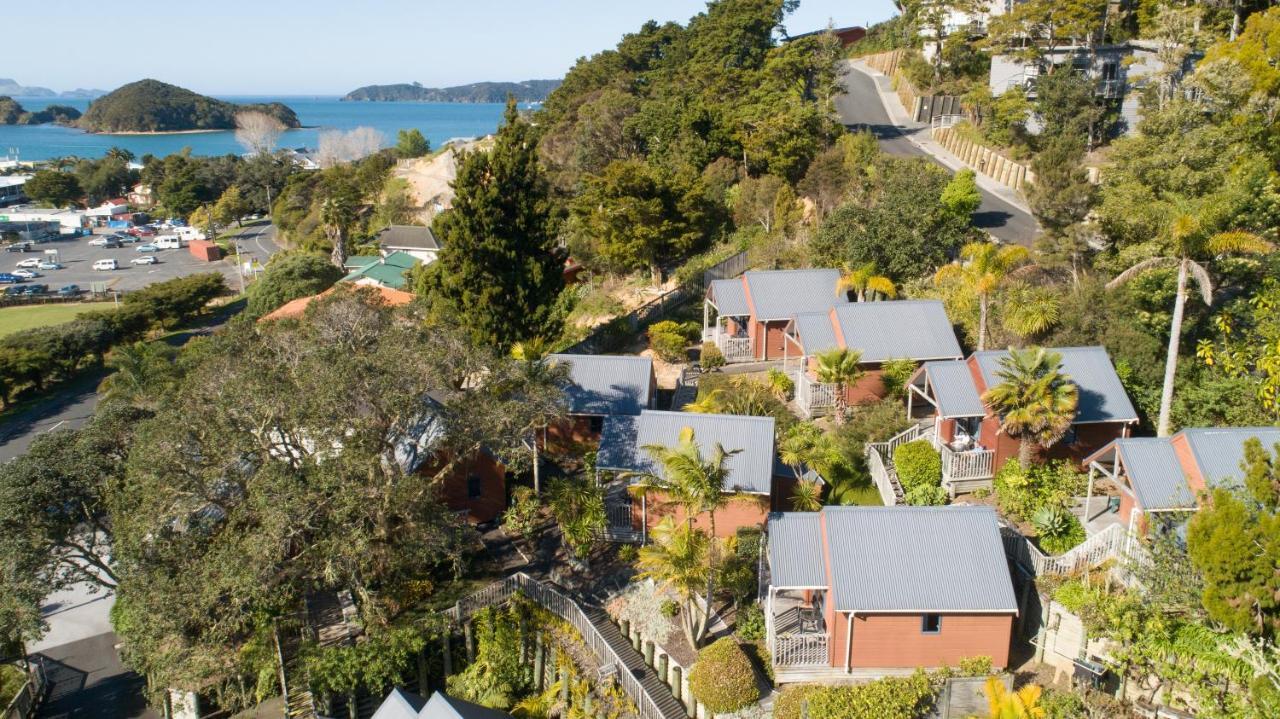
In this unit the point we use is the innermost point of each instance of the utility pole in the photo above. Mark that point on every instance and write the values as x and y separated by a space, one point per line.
239 265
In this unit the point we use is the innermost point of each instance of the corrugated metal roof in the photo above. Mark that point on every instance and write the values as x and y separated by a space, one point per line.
623 439
606 384
952 387
783 294
729 297
1102 396
918 559
442 706
795 550
901 329
411 236
815 331
1155 473
1219 451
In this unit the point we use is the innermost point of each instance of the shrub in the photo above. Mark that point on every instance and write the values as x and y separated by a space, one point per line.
894 374
868 423
979 666
918 465
712 357
1021 493
288 277
1068 535
615 334
750 623
889 698
781 384
926 496
722 679
667 342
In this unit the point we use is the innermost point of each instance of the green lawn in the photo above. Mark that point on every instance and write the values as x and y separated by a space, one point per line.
25 317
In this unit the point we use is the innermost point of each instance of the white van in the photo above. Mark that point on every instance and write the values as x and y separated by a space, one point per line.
106 265
189 233
168 242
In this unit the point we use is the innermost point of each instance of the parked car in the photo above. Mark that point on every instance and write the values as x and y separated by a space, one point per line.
14 291
141 231
29 262
26 274
49 265
168 243
144 260
106 265
149 247
7 278
104 242
36 289
23 246
69 290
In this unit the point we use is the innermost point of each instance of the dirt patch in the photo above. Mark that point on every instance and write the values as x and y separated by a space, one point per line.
430 178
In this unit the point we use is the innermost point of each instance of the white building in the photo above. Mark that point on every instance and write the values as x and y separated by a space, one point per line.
11 189
72 221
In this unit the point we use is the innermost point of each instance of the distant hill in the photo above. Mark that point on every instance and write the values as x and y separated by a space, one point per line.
12 113
154 106
9 86
527 91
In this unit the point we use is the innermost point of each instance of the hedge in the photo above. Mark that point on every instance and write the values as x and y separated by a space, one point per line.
908 697
667 341
722 679
41 356
918 465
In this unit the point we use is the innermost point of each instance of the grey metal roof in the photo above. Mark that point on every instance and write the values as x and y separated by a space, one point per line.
1219 451
910 329
783 294
606 384
951 385
413 237
442 706
918 559
729 297
795 550
623 439
1155 473
400 705
815 332
1102 396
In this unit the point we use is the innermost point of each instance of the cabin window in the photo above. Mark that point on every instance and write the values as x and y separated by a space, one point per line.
931 624
473 487
596 424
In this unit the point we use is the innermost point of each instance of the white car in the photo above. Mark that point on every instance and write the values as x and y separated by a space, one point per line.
98 242
144 260
25 274
49 265
33 262
105 265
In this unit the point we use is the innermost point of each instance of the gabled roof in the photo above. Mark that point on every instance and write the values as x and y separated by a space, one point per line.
1218 452
390 271
917 559
295 308
795 550
729 297
357 261
623 439
400 705
951 386
898 329
1154 472
783 294
606 384
442 706
1102 396
815 332
414 237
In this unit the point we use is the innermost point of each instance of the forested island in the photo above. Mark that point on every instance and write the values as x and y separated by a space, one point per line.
527 91
13 113
154 106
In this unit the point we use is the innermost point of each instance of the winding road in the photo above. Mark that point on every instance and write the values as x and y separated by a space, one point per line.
860 107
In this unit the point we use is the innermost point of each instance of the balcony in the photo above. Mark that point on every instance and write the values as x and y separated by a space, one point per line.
965 470
813 398
797 631
735 348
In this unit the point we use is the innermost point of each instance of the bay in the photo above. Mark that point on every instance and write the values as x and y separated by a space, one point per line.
438 121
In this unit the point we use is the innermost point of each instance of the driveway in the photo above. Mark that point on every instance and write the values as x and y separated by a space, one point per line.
87 681
860 107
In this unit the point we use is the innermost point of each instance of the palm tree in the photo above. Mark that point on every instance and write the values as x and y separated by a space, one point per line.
698 485
742 396
867 284
807 496
1192 247
1004 704
839 367
985 267
578 506
337 212
139 367
119 153
1035 400
805 445
678 559
1029 311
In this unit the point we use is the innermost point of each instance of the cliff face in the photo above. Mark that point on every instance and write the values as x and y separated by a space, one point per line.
527 91
154 106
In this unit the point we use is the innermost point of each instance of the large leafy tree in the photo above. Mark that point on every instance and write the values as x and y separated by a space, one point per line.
1192 248
1035 400
501 268
984 267
288 277
56 189
1235 542
299 456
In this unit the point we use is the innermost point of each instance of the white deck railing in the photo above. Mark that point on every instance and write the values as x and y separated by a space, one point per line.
736 349
911 434
965 466
1101 547
801 650
885 484
815 398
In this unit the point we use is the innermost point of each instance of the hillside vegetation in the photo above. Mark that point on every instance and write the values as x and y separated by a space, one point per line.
527 91
154 106
12 113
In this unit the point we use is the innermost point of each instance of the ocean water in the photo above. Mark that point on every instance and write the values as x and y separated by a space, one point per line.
438 121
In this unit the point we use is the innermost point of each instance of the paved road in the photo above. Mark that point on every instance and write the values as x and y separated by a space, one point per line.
87 681
861 107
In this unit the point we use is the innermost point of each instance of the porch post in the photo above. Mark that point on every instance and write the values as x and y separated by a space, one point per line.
848 644
909 398
706 316
644 519
1088 497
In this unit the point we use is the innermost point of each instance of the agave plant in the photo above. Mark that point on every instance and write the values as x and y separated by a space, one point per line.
1051 521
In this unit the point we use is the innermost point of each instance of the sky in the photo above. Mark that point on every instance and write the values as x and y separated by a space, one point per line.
317 47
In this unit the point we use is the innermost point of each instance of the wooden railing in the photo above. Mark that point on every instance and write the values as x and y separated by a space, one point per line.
568 610
1101 547
890 491
801 650
911 434
27 700
815 398
963 466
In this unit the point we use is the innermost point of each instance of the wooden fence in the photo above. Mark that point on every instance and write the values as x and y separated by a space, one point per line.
562 606
725 269
27 700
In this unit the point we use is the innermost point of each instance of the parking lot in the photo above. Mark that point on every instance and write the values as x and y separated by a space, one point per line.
77 258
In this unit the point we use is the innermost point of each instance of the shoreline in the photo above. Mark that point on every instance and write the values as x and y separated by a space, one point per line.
145 133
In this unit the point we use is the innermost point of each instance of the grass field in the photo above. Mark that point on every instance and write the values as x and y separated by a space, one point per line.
25 317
